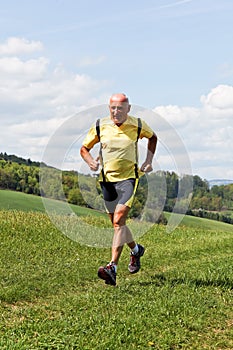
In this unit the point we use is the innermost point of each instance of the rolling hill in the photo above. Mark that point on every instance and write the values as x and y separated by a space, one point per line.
11 200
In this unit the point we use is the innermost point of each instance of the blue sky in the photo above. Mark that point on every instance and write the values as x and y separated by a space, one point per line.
175 57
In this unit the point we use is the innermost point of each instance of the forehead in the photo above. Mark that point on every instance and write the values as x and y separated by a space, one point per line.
118 104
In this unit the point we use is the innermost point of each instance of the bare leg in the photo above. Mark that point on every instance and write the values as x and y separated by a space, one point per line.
122 234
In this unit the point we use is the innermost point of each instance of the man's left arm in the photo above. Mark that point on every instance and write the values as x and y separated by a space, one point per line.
151 148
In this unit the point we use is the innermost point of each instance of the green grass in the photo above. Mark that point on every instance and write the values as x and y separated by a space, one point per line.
12 200
51 297
195 222
228 213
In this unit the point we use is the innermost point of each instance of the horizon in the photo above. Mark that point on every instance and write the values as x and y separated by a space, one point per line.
94 174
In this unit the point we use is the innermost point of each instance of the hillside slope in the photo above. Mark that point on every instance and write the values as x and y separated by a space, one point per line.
11 200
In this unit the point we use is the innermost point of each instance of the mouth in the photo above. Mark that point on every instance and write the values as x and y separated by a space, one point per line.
117 117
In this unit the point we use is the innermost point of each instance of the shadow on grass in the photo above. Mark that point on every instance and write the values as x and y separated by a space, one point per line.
161 279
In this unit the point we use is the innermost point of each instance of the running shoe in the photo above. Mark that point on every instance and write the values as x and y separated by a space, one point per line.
134 265
108 274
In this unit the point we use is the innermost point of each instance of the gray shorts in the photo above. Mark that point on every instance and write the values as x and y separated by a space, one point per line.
121 192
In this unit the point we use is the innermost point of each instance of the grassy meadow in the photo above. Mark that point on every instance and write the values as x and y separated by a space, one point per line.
12 200
51 297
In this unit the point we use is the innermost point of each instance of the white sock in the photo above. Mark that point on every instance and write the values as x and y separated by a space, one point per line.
114 265
135 249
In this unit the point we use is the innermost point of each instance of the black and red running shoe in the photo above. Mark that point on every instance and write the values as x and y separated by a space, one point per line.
108 274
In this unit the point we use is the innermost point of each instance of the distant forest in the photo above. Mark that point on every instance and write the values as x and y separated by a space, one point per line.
24 175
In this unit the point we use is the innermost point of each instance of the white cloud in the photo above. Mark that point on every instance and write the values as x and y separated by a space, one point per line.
207 132
13 67
18 46
219 99
29 88
36 127
32 136
176 115
35 98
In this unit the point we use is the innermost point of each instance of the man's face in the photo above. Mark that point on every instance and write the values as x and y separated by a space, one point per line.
119 111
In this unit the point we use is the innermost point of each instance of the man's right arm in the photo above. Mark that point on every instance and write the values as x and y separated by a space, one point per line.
92 163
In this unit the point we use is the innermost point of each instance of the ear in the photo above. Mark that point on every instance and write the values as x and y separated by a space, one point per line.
129 107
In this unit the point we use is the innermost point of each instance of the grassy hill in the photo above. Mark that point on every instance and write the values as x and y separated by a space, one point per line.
12 200
20 201
51 297
196 222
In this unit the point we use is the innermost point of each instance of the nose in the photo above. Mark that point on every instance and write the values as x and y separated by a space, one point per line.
117 109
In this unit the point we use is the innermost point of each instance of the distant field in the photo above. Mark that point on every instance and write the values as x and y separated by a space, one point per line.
192 221
21 201
228 213
11 200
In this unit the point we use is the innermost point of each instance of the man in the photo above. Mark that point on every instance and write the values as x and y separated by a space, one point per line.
118 135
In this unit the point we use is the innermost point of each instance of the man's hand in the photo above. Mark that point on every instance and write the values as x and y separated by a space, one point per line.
94 164
146 167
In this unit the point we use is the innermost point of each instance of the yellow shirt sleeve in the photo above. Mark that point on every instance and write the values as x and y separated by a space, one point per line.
146 131
92 138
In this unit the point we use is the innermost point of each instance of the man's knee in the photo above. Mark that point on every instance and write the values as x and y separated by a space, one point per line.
120 215
118 220
119 223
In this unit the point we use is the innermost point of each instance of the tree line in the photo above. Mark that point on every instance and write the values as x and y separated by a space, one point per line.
162 188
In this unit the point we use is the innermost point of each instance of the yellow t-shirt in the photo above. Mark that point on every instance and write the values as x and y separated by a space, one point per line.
118 147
